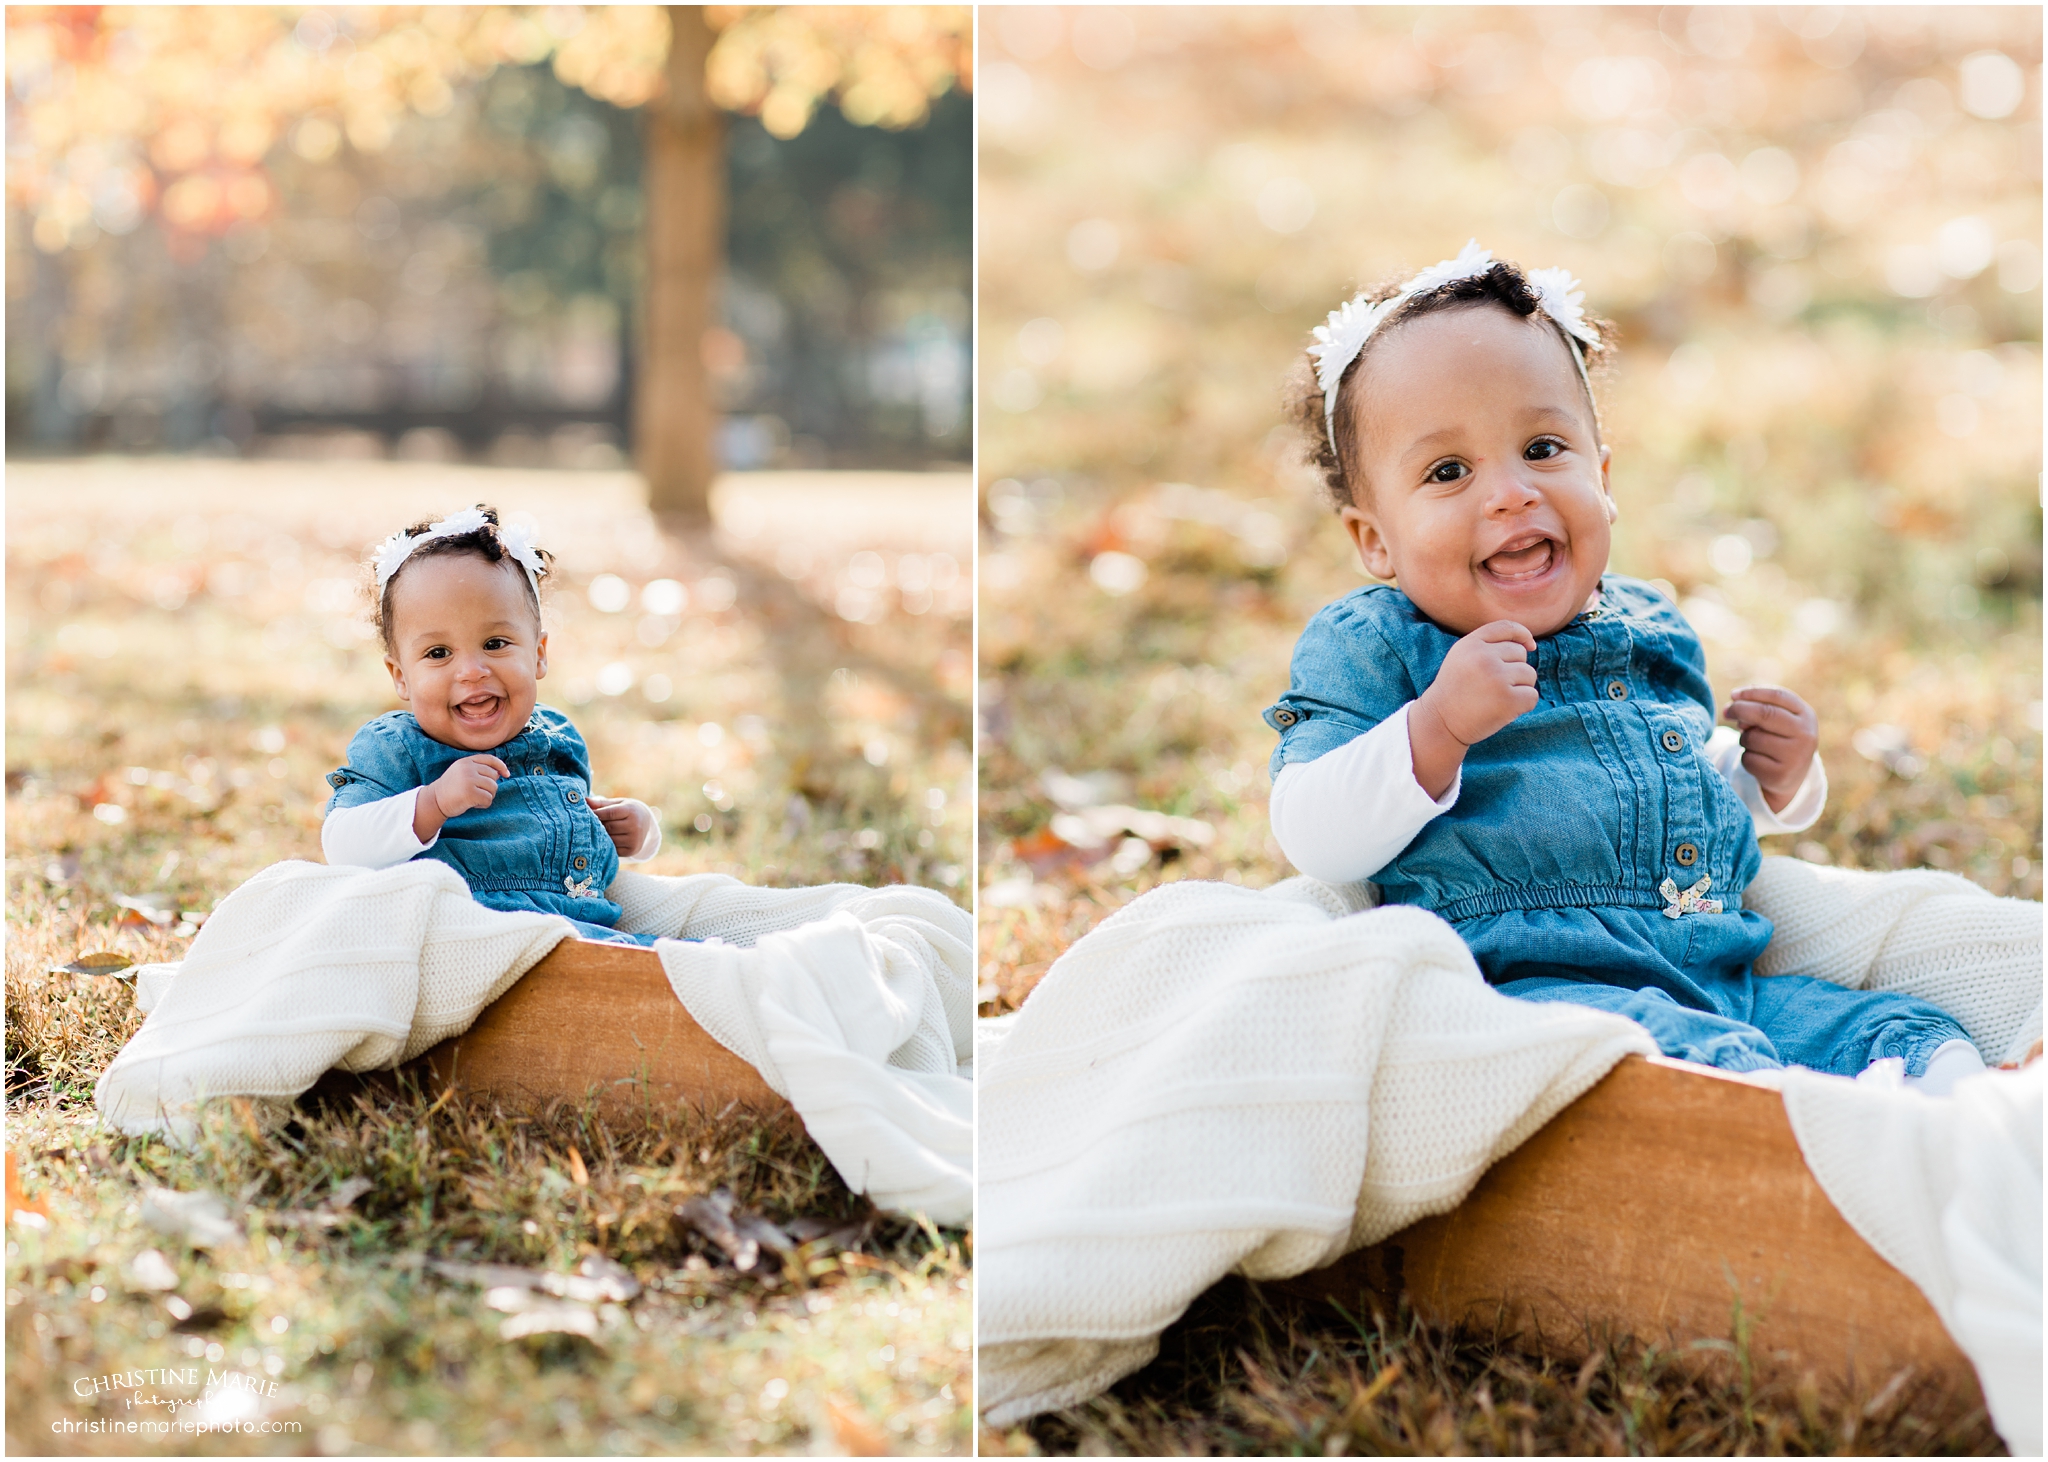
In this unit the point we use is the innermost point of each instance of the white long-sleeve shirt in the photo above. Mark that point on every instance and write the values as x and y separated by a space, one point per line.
379 834
1347 814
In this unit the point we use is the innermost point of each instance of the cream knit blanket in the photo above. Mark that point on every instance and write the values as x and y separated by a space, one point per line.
852 1002
1217 1079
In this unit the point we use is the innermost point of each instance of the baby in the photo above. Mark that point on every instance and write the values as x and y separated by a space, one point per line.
475 773
1510 736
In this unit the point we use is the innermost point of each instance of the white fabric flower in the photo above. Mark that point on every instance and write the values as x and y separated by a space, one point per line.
392 553
1472 261
1561 297
1350 325
517 539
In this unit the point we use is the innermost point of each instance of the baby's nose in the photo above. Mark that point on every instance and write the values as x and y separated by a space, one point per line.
1510 492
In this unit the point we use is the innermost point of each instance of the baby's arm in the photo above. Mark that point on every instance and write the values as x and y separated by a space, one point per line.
635 830
392 829
1343 816
373 834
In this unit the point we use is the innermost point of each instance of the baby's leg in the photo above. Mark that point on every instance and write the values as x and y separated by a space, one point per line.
1828 1028
1689 1035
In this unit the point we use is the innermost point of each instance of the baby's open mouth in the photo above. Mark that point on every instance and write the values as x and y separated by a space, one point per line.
1523 558
478 708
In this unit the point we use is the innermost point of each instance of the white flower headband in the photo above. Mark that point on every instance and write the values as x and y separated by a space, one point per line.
1351 324
516 540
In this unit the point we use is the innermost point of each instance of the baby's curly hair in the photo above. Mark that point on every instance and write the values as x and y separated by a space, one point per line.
483 543
1504 285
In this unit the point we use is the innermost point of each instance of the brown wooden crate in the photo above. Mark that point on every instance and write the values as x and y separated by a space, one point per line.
1646 1207
596 1018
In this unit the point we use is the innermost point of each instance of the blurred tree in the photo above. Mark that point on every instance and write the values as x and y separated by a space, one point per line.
121 112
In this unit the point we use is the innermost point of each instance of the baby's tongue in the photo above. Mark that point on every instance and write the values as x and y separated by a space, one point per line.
1522 562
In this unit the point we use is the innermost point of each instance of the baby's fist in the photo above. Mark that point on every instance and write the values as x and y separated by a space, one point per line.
1780 734
471 782
1485 682
627 822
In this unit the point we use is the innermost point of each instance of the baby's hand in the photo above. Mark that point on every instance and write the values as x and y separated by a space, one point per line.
1780 734
1485 682
627 821
471 782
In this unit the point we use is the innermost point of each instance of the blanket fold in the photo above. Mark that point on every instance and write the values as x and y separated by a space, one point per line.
1218 1079
855 1003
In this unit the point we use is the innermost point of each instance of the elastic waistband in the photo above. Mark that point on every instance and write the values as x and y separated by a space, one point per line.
1521 899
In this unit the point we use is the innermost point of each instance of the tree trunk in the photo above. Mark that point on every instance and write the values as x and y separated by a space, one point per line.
674 423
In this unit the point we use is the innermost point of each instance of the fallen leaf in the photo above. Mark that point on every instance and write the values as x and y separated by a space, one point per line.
331 1212
578 1174
855 1434
99 962
606 1279
742 1235
199 1219
150 908
597 1280
1090 789
1094 827
150 1270
487 1276
554 1317
191 1320
346 1193
18 1202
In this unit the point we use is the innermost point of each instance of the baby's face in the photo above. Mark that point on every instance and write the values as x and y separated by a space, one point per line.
469 651
1487 487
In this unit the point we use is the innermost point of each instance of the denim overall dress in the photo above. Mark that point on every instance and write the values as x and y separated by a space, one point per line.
538 846
1594 854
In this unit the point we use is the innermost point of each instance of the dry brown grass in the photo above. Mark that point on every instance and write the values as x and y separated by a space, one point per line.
1248 1373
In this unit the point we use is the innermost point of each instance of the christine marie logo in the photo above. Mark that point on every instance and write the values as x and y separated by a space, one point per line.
133 1382
225 1401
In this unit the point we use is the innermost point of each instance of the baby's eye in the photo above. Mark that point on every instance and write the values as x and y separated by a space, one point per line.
496 642
439 652
1542 449
1445 472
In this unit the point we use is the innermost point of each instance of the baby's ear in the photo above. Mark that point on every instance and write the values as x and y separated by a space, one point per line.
540 662
1606 485
1365 534
397 679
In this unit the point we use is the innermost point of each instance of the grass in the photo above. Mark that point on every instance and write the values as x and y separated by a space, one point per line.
1251 1373
185 663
